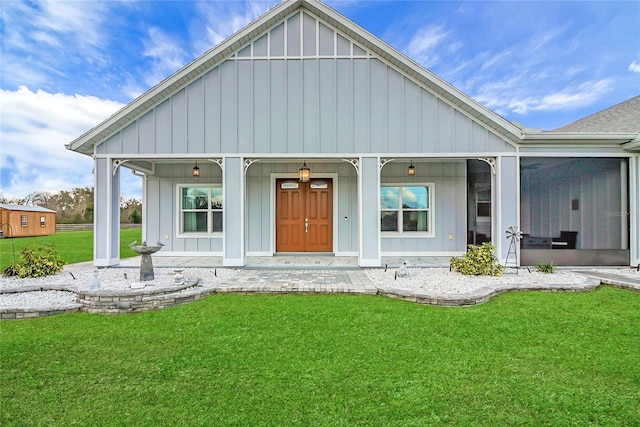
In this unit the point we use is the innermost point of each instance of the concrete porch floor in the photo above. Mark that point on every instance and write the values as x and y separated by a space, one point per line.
291 262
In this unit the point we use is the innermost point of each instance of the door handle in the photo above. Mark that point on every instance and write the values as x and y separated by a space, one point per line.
306 225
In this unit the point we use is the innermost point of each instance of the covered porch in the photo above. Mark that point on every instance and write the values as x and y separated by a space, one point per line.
228 209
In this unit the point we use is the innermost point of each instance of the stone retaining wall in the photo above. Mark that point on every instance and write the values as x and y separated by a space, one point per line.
121 302
21 313
105 301
482 295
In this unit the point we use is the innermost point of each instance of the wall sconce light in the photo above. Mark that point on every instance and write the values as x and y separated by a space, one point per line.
196 170
411 170
304 173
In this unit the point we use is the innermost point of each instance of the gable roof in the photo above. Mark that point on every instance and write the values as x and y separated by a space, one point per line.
621 118
25 208
210 59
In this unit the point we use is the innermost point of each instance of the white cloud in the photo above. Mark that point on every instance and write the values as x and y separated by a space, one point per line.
35 126
509 97
573 98
83 20
222 19
634 67
41 38
166 55
425 44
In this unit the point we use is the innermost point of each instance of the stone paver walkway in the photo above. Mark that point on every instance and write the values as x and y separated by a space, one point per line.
292 281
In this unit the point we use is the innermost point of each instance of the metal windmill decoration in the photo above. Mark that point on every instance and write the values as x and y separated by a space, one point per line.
515 235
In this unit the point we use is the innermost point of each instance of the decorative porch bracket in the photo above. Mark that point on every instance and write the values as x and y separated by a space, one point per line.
491 162
219 162
247 163
355 163
117 164
383 162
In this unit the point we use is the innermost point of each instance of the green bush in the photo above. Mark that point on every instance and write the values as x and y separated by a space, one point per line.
544 267
478 261
41 261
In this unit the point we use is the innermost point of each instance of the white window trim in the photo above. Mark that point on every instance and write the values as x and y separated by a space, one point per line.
43 221
430 212
187 235
24 220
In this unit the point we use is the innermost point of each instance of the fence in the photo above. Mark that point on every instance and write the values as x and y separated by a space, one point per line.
79 227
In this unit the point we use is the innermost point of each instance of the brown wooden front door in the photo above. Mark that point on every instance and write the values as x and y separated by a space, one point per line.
304 215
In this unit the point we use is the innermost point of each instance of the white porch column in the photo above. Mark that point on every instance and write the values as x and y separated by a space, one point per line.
634 210
234 214
369 212
106 214
508 202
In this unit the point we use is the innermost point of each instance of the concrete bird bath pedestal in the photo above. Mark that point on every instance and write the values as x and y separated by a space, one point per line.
146 265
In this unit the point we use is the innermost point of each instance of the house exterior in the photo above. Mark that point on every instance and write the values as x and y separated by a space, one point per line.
26 221
398 161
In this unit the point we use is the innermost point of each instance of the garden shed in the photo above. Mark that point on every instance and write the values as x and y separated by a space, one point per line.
26 221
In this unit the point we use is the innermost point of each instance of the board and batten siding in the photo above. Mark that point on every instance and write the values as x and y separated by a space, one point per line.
450 187
161 222
303 87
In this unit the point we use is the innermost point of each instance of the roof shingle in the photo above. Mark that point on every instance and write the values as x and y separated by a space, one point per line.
621 118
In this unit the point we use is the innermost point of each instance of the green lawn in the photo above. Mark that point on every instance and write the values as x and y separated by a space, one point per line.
73 246
321 360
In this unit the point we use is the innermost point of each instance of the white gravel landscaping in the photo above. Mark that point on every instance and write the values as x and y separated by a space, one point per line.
440 281
39 300
75 278
432 281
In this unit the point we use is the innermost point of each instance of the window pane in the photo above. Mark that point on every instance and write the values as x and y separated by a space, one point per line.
216 221
389 197
195 198
415 221
389 221
216 198
484 196
195 222
415 197
483 209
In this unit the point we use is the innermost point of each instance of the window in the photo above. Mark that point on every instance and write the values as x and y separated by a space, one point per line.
406 209
43 221
200 209
483 204
23 220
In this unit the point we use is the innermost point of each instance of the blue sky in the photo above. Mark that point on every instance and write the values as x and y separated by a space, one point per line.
66 66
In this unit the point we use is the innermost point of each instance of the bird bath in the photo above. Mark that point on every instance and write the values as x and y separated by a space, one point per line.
146 265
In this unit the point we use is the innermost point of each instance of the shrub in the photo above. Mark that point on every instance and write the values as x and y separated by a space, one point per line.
544 267
478 261
41 261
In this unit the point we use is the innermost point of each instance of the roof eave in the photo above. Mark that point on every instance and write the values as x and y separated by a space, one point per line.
633 145
551 138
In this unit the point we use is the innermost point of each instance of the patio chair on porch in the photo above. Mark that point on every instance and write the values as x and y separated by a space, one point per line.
567 240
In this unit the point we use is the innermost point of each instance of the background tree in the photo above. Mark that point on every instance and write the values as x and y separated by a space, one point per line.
127 209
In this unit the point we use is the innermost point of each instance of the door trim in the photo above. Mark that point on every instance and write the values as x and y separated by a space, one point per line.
272 205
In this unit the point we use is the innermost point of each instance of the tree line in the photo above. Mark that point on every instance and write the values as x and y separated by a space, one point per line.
76 206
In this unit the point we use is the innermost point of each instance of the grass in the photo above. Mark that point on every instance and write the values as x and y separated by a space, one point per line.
73 246
323 360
